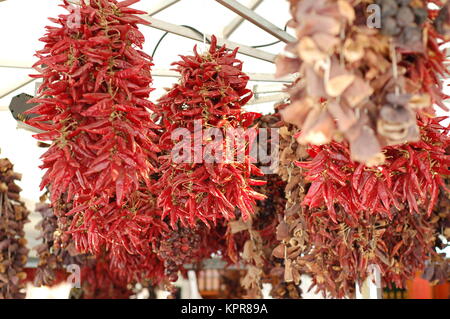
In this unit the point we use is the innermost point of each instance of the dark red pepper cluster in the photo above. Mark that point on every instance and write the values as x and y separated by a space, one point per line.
211 92
98 283
93 107
354 216
52 258
411 176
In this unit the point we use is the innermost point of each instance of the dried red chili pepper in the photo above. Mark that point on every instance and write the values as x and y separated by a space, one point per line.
93 105
212 91
381 215
412 174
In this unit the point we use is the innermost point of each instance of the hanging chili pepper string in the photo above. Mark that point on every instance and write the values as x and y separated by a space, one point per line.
211 91
104 141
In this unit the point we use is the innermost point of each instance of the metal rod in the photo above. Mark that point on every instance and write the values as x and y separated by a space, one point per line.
15 67
257 77
28 81
236 22
188 33
267 99
160 6
257 20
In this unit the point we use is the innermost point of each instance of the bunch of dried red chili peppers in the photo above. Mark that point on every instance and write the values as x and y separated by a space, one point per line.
206 182
104 155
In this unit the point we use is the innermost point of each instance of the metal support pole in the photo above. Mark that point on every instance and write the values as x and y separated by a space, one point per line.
273 98
21 85
257 20
188 33
257 77
236 22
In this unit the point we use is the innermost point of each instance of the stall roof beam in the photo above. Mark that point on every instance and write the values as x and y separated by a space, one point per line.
272 98
257 77
188 33
162 5
12 90
256 19
236 22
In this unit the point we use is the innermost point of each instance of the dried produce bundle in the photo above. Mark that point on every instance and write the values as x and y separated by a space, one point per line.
52 260
437 270
201 184
140 228
258 233
290 152
13 249
97 283
338 255
358 82
411 176
354 216
178 248
404 20
93 107
117 266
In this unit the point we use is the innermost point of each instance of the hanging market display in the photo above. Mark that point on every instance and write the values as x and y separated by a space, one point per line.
139 193
53 255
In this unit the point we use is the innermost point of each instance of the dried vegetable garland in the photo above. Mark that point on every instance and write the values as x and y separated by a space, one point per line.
99 277
52 258
437 270
93 106
358 82
212 91
352 216
258 233
13 249
98 283
290 152
357 99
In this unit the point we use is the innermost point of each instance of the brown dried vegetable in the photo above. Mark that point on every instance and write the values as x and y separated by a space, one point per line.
53 257
355 82
13 250
259 231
